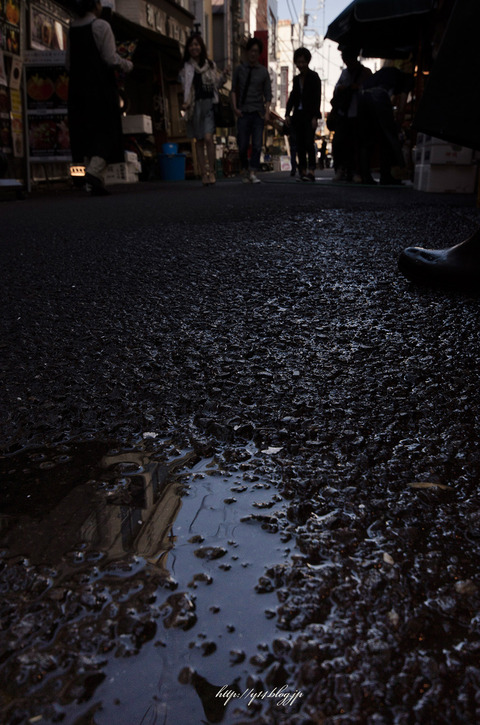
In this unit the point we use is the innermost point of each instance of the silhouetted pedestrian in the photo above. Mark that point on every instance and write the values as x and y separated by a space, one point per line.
345 103
304 101
94 114
377 123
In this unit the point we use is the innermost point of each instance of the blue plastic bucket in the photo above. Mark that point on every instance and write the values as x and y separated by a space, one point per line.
170 148
171 168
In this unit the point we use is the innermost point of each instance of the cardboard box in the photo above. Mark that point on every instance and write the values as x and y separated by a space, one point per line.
137 124
282 163
445 179
125 173
446 153
131 157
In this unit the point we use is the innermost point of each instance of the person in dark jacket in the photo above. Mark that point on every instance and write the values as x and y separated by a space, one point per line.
304 101
379 125
94 115
251 98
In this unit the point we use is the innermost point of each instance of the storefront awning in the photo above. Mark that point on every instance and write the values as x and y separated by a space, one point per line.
381 28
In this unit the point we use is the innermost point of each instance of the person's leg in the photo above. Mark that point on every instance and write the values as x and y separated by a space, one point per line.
456 266
311 148
257 124
200 144
336 156
210 148
341 149
300 132
367 135
243 138
355 170
94 176
293 151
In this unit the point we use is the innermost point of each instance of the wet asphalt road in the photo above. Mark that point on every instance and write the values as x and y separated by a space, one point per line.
260 336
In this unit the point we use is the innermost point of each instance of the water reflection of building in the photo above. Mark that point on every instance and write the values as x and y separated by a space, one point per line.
131 512
143 526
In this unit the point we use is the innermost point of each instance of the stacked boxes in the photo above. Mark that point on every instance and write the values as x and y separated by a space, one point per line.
282 163
443 167
125 173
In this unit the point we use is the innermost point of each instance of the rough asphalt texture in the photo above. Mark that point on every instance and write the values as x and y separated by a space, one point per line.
272 314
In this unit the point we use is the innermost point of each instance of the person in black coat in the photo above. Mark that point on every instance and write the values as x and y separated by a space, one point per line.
304 100
94 114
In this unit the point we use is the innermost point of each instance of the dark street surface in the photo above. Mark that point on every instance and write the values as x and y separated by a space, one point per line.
239 459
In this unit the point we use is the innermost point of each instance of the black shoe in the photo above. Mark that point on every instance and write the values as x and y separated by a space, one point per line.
96 186
390 181
311 177
440 268
292 172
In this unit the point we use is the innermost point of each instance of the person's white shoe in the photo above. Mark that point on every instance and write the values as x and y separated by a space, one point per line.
253 178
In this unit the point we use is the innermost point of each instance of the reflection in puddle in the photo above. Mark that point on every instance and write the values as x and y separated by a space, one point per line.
152 589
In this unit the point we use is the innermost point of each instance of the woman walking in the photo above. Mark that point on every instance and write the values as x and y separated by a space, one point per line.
201 81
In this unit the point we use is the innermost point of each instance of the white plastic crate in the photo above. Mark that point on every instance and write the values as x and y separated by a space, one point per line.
446 153
431 150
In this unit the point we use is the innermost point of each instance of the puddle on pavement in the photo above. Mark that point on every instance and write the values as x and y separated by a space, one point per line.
140 581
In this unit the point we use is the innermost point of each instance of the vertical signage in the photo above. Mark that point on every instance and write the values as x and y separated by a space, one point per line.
46 89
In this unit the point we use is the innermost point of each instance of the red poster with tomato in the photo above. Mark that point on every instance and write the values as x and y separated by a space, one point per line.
47 87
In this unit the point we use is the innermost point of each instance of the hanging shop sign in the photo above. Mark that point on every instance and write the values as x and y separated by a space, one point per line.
156 19
11 120
150 16
3 72
15 74
10 26
16 118
5 134
5 124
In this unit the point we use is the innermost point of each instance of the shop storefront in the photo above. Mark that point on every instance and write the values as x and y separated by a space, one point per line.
46 90
12 28
34 141
161 29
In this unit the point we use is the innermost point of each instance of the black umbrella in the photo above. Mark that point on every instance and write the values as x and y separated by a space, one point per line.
381 28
